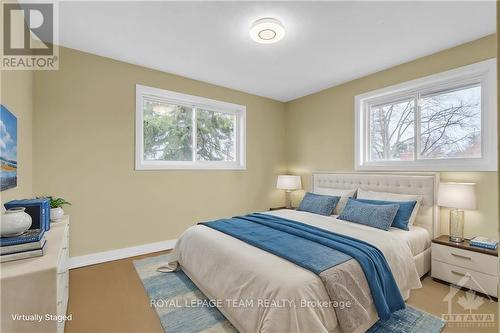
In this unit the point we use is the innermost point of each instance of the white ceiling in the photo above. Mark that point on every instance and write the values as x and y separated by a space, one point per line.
326 43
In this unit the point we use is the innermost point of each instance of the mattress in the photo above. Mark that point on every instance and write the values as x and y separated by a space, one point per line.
417 238
226 268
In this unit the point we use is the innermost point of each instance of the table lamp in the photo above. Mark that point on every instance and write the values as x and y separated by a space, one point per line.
289 184
457 196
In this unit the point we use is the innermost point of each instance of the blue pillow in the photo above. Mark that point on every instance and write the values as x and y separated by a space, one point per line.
404 212
377 216
318 204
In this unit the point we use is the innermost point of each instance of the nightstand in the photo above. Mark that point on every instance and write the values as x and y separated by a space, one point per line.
277 208
465 265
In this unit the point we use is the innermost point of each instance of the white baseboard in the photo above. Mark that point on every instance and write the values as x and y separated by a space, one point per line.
100 257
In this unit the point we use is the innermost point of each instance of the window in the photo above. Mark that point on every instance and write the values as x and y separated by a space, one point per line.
442 122
178 131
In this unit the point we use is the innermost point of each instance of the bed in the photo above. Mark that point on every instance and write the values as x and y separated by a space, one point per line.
227 269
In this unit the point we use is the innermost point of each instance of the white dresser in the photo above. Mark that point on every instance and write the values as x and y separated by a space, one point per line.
38 288
464 265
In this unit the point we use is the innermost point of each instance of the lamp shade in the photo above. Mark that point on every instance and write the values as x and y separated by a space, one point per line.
287 182
457 195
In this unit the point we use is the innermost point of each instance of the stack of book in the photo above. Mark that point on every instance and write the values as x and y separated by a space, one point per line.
28 245
484 242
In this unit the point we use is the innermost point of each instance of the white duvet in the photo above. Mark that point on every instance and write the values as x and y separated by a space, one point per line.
260 292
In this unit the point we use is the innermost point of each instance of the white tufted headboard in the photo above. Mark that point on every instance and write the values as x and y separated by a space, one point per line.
424 184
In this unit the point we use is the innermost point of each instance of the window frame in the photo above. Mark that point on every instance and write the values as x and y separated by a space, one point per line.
193 102
483 72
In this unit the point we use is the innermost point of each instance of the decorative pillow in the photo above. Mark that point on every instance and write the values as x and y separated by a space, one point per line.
402 218
318 204
377 216
342 193
387 196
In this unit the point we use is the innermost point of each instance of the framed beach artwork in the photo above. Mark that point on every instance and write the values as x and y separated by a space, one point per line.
8 149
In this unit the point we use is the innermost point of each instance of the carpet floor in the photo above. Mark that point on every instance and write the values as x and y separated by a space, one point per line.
183 308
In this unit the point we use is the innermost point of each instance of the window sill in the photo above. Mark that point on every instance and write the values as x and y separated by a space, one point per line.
475 164
190 167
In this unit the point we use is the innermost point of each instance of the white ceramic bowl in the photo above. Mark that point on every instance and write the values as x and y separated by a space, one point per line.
15 222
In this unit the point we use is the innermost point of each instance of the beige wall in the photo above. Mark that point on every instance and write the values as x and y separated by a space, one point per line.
320 128
17 96
84 149
84 127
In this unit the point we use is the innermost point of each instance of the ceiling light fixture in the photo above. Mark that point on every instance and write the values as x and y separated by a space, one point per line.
267 31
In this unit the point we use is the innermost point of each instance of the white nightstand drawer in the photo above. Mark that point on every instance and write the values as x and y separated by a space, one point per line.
479 262
454 274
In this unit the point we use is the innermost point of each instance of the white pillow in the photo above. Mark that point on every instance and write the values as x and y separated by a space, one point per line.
344 194
373 195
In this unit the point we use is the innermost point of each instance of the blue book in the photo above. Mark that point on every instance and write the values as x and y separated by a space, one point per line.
484 242
8 249
491 247
46 213
24 255
38 209
31 235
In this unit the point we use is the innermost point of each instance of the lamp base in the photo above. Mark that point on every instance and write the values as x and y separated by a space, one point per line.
288 201
456 239
456 225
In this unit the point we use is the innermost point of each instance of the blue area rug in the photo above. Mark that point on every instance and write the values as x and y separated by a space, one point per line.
182 307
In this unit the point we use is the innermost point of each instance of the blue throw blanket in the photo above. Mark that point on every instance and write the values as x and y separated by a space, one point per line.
316 250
